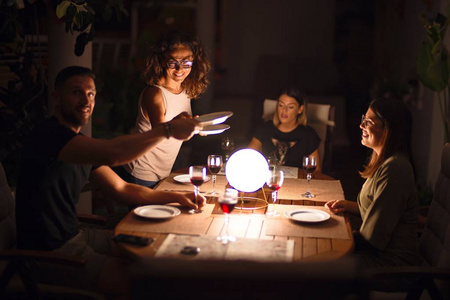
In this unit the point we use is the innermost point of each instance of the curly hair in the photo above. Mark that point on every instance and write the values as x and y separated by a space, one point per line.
155 67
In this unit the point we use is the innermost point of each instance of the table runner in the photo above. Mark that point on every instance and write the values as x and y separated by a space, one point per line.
169 184
242 249
325 190
334 227
185 223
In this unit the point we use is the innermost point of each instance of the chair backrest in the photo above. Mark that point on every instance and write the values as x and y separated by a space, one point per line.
318 117
7 214
435 239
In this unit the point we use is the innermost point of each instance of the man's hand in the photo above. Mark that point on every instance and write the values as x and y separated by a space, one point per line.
188 199
184 126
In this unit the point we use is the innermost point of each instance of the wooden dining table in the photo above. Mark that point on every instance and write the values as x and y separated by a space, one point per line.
323 241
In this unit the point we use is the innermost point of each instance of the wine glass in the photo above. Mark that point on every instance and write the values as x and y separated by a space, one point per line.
227 203
214 166
274 181
272 161
309 165
197 175
227 147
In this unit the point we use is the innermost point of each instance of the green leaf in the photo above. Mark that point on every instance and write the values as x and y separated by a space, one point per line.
78 20
80 43
424 60
68 27
437 72
70 13
89 9
62 8
86 20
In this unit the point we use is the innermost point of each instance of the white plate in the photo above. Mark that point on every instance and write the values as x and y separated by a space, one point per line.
214 118
157 211
184 179
307 215
214 129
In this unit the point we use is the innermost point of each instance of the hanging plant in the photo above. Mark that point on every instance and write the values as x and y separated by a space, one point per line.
80 16
433 65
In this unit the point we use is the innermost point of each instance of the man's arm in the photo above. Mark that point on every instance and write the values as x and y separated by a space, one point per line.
113 187
125 148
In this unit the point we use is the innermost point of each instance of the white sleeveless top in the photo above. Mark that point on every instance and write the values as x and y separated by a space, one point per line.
157 163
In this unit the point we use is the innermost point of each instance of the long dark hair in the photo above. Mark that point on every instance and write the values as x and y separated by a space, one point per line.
155 67
295 93
396 137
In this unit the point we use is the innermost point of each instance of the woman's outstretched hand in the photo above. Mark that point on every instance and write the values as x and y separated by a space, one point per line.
340 206
336 206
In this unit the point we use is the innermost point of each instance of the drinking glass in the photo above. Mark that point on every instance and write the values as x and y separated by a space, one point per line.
309 165
227 203
274 181
272 161
227 147
214 166
197 175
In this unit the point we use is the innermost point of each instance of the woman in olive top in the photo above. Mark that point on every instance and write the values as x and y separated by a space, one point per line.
387 202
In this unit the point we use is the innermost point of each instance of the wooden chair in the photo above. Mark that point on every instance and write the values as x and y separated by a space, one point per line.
434 275
16 279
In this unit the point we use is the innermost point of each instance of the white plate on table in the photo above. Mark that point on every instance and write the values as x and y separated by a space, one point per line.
184 179
214 129
307 215
214 118
157 211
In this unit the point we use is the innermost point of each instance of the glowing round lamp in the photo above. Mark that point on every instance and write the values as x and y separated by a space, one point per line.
246 170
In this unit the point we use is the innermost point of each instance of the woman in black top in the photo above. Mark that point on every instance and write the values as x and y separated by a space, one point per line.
287 137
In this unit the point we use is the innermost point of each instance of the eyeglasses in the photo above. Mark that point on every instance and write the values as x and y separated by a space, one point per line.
185 64
366 122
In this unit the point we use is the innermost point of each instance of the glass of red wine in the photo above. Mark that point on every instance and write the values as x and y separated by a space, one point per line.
214 166
309 165
197 175
274 181
227 203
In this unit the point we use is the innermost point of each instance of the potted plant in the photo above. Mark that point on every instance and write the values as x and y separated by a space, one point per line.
78 15
433 65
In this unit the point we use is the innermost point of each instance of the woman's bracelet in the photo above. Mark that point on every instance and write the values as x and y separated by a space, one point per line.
168 130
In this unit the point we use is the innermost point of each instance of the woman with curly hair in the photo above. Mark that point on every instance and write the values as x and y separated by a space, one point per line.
175 72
